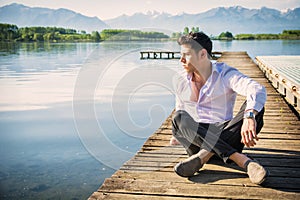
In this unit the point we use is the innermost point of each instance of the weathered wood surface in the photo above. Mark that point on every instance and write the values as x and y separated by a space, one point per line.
149 174
288 83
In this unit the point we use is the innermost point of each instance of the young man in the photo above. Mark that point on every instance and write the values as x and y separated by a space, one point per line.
203 122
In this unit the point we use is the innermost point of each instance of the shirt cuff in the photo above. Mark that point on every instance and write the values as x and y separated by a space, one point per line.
255 106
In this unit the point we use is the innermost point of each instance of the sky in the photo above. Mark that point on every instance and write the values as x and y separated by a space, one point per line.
108 9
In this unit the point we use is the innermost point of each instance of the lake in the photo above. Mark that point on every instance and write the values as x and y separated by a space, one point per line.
72 113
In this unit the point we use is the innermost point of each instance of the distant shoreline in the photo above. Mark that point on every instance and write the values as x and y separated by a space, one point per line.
145 40
11 33
285 35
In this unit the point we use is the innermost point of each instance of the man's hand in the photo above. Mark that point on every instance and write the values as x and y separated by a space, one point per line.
248 132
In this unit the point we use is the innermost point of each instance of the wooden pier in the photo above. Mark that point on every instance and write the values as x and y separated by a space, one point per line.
149 174
168 55
160 55
287 84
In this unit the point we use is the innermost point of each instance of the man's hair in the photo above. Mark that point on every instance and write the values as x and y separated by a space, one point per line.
197 41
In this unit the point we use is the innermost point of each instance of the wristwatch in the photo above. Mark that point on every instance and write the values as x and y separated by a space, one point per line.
249 115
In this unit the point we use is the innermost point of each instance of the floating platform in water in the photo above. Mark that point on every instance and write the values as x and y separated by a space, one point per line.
160 55
169 55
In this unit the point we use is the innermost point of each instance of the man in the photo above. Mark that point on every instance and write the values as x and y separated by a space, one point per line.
203 122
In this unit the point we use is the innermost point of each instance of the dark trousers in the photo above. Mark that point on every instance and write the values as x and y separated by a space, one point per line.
223 139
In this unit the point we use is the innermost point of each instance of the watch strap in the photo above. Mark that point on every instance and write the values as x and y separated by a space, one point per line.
249 114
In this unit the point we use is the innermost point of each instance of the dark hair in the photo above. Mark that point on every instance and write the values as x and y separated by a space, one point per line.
202 41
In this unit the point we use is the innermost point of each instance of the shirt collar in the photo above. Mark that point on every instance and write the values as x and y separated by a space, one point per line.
213 70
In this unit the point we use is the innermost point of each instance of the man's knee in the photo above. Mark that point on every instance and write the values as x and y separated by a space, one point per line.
175 122
178 121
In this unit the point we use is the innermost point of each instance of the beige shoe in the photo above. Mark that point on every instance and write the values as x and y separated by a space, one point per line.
257 173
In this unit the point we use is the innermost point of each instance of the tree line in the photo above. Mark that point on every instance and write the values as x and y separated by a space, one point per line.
285 35
10 32
119 34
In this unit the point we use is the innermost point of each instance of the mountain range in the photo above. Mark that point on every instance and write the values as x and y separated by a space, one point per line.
234 19
22 16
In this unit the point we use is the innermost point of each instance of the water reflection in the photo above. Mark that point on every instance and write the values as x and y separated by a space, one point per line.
22 58
42 154
225 44
9 48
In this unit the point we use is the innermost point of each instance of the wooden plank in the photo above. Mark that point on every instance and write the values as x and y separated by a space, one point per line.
211 175
255 152
191 189
159 164
126 196
262 135
295 144
283 171
264 146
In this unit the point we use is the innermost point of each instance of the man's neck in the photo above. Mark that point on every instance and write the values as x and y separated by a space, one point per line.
202 74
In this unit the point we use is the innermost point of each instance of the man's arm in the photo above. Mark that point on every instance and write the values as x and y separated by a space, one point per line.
256 98
245 86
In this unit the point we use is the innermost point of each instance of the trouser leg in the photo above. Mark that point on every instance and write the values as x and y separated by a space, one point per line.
232 129
223 139
190 147
195 136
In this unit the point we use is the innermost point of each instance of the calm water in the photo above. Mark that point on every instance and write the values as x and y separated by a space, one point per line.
71 114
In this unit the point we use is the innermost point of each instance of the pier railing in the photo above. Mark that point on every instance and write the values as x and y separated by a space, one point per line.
288 87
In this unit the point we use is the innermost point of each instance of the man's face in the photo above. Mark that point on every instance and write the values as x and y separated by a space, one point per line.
189 58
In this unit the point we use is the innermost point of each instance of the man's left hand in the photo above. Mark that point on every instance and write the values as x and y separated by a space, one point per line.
248 132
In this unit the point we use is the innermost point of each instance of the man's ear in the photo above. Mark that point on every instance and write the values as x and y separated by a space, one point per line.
202 53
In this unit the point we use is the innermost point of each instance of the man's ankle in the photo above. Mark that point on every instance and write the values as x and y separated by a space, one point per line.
205 155
240 159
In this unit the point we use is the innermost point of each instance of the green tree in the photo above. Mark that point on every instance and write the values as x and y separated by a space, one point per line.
96 36
57 36
186 30
195 29
48 36
290 34
175 35
244 37
8 32
38 37
226 36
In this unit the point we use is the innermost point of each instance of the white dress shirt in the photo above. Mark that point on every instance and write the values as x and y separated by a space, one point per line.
217 96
